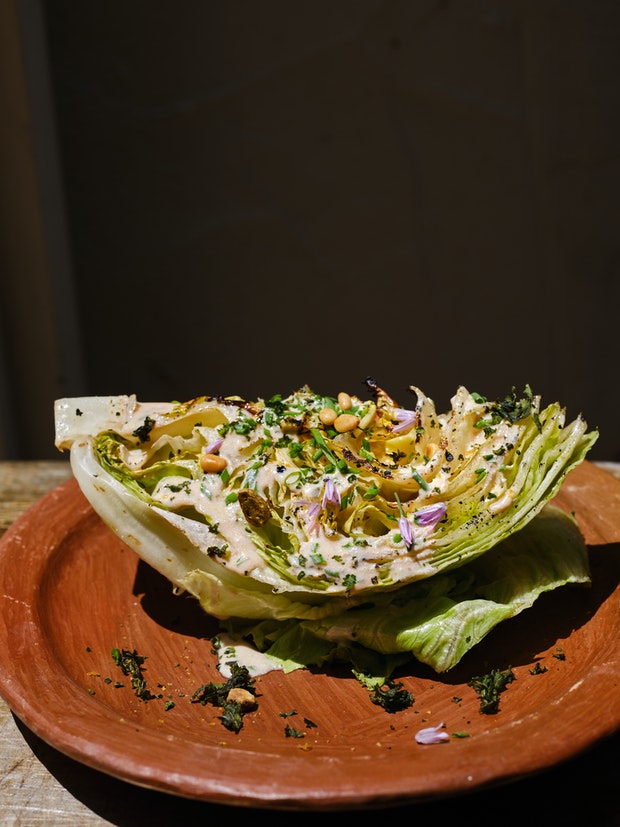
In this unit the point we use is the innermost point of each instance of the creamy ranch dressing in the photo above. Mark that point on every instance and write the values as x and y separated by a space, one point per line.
320 551
322 557
233 529
235 650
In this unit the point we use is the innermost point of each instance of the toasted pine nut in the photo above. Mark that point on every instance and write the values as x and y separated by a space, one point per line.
431 448
346 422
344 401
212 463
242 696
327 416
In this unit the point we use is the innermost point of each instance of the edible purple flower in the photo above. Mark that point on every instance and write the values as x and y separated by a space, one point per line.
331 493
314 509
406 532
432 735
404 526
405 418
430 515
214 446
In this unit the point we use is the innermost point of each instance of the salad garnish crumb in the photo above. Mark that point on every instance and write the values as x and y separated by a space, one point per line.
489 687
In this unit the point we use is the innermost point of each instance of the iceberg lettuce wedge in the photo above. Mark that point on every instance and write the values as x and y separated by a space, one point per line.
358 522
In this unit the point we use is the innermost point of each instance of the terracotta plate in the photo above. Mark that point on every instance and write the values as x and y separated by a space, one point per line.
71 592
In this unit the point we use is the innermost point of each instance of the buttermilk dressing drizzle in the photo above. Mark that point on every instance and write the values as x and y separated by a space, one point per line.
315 483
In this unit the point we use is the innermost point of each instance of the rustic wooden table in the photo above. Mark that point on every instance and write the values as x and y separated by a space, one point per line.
41 786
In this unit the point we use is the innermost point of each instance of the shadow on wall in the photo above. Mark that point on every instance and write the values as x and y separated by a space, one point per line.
424 193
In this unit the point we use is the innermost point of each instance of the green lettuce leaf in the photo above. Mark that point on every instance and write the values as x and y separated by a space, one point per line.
405 533
437 621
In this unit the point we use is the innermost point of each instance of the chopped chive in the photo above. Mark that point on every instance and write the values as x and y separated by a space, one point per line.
420 480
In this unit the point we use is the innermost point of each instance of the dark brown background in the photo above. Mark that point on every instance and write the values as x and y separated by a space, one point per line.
260 195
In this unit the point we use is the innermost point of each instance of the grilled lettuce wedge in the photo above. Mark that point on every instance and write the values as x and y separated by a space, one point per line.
327 528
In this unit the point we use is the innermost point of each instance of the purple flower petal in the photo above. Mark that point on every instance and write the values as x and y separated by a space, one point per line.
314 509
331 493
405 418
430 515
432 735
406 532
214 446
